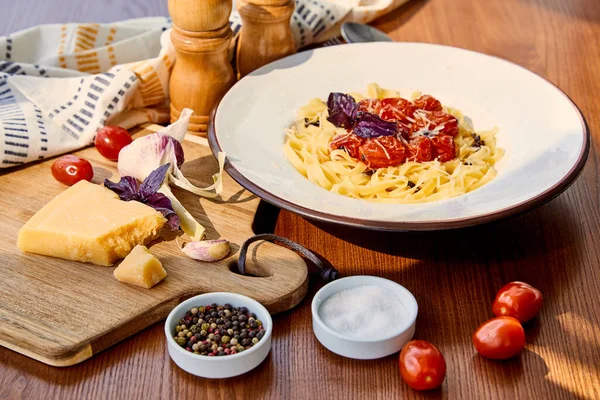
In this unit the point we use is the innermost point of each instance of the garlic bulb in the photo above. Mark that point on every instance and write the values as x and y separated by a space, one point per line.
149 152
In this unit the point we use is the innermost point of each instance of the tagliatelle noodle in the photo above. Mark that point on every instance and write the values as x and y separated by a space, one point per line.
307 148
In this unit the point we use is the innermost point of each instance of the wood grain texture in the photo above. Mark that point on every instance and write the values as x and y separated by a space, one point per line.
202 74
62 312
454 275
266 35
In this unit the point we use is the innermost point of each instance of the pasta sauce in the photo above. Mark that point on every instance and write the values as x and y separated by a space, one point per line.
382 147
425 133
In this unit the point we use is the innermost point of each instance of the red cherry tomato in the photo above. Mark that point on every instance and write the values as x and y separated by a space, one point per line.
499 338
518 300
381 152
429 103
448 122
422 121
372 106
349 142
396 109
110 140
404 129
422 366
444 147
431 120
71 169
420 149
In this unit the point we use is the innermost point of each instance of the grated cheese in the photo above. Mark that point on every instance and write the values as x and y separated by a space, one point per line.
384 149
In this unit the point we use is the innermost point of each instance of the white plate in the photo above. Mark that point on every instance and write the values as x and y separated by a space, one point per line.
543 133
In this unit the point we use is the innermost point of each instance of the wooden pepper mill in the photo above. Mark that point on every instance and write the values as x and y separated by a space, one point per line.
202 73
266 34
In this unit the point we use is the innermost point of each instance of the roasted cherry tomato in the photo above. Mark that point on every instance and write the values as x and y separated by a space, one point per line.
422 121
404 129
448 122
381 152
499 338
429 103
396 109
431 120
110 140
372 106
349 142
444 148
518 300
71 169
422 366
420 149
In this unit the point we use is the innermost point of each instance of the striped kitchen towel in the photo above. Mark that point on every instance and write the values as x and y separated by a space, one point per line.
60 83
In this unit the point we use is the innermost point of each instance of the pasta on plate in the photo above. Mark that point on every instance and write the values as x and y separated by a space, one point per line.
384 148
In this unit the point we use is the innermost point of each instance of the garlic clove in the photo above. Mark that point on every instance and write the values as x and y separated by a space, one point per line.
207 250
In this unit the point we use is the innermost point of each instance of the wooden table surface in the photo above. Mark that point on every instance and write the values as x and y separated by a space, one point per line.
454 274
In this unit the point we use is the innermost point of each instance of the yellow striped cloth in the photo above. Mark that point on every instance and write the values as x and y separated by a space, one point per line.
60 83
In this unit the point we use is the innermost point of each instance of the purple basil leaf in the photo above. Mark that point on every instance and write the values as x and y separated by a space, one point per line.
161 203
342 110
126 188
343 102
171 216
340 119
153 181
158 200
370 126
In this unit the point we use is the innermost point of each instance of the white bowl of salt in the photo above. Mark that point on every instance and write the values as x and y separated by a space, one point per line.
364 317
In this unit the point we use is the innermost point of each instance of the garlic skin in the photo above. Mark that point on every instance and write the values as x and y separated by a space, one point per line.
187 222
147 153
207 250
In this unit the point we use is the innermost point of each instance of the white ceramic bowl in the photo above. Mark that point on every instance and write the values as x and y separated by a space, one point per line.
225 366
543 133
364 349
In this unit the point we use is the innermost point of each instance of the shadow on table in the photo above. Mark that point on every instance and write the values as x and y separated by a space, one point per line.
142 352
537 233
575 9
543 247
505 373
258 381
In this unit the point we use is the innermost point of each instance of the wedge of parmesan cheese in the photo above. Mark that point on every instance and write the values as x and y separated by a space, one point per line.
89 223
140 268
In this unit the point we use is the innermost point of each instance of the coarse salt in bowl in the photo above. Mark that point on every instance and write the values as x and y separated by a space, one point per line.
223 366
341 324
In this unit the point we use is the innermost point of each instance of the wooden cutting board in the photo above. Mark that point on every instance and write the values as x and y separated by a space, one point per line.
62 312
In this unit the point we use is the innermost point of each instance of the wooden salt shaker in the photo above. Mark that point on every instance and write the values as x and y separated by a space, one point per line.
266 34
202 73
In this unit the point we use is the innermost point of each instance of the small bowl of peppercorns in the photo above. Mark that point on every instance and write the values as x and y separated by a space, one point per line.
218 335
